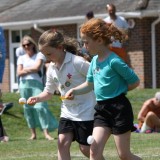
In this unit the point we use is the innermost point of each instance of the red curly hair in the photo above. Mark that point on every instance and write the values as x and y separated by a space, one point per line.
97 28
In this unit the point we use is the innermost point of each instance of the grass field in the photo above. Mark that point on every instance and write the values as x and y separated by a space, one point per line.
19 148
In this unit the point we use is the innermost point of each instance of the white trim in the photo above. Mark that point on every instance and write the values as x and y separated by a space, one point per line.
154 79
37 28
12 64
73 19
43 22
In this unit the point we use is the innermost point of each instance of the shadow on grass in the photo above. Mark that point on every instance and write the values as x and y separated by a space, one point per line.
12 115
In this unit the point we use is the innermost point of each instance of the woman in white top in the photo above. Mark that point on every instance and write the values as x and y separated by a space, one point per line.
65 71
30 71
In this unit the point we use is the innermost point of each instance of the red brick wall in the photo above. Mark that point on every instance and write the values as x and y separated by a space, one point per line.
69 30
6 76
140 51
6 82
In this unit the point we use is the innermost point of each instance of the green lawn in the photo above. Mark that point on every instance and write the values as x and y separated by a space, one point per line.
19 148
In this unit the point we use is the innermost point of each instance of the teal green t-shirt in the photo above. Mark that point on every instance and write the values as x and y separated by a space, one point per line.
110 77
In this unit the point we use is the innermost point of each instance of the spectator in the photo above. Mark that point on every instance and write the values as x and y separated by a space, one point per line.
2 56
30 70
20 51
89 15
3 135
149 115
119 22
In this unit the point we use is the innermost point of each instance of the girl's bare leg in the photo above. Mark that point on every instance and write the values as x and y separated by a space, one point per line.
33 134
47 136
101 135
64 144
123 147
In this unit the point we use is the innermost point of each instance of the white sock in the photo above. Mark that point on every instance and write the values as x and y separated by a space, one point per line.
144 128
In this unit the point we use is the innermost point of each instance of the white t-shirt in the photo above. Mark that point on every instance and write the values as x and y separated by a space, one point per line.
71 74
20 51
121 24
27 61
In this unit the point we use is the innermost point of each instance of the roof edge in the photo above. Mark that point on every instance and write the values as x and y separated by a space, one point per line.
74 19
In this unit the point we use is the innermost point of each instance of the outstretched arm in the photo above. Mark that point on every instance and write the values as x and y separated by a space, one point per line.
43 96
81 89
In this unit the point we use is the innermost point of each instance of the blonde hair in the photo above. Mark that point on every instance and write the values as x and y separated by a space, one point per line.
30 40
55 38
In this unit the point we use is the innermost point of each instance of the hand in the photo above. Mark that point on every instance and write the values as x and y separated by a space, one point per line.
32 100
69 95
140 123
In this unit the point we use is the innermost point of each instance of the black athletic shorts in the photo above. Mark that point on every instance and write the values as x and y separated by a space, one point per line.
115 113
80 129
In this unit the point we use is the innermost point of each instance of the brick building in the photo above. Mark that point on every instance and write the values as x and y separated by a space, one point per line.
35 16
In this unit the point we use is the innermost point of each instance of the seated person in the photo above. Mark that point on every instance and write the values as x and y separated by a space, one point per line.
149 115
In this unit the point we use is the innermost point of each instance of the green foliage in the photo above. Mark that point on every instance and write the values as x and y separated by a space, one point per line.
20 148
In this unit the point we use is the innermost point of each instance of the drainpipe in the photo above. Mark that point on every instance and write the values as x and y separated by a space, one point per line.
35 26
154 84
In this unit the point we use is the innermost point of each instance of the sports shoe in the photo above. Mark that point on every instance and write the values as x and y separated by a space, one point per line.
7 106
4 107
149 131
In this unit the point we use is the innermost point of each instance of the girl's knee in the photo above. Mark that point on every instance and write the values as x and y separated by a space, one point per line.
62 143
150 114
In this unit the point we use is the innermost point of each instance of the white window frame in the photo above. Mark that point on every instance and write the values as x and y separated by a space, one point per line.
13 83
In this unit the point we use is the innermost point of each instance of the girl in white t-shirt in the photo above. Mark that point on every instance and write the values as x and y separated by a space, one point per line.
30 71
66 71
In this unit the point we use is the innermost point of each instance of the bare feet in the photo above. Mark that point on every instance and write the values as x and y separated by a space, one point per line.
32 138
48 137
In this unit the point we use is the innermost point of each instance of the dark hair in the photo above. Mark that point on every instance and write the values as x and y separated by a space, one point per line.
112 6
90 14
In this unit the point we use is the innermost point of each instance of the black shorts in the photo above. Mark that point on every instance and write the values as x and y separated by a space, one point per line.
115 113
80 129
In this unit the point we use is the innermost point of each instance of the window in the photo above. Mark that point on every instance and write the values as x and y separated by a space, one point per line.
16 36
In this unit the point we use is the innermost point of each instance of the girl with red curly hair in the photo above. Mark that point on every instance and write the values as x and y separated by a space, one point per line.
111 78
